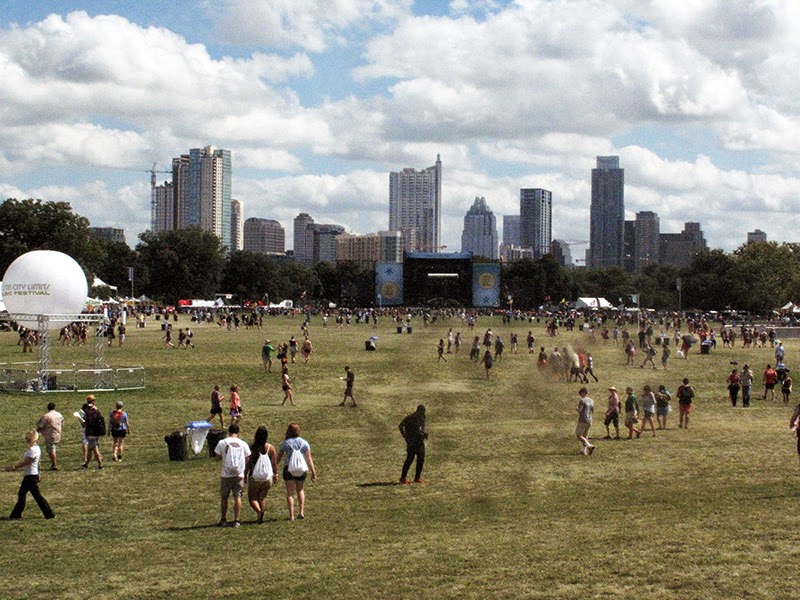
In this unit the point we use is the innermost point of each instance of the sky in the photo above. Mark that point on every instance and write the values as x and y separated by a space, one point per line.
318 100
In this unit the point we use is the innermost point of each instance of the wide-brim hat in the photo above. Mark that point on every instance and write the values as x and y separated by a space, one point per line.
612 389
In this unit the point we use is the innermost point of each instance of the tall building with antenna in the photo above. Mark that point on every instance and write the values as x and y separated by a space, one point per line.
415 207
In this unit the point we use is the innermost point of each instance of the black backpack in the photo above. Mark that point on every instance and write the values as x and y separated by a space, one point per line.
95 423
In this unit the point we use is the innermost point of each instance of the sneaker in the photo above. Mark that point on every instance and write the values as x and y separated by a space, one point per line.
301 516
86 465
260 519
100 467
590 449
404 481
342 404
53 468
419 480
638 434
237 524
222 523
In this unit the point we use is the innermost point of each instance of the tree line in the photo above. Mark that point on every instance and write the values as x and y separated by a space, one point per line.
192 263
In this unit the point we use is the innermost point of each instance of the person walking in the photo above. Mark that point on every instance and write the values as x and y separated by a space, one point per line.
95 426
216 407
233 452
440 350
649 408
119 428
585 410
412 428
261 472
786 387
30 480
487 361
50 425
631 413
266 355
734 385
589 368
349 378
770 378
235 405
685 393
612 412
296 470
663 398
746 378
288 392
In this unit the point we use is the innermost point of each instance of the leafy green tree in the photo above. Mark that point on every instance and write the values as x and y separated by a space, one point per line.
294 280
250 277
184 263
656 286
707 283
27 225
764 276
112 262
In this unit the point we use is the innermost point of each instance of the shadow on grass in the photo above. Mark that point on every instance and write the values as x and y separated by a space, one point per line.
216 525
378 484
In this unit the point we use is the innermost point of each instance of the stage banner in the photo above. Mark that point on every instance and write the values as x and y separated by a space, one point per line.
389 284
485 284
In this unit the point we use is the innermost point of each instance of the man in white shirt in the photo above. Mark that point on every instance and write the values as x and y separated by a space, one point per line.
233 453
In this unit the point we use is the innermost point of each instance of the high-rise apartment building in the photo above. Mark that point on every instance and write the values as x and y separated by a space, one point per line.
303 239
642 241
756 236
415 206
201 194
511 230
536 220
607 213
237 225
264 236
372 248
562 253
678 249
480 231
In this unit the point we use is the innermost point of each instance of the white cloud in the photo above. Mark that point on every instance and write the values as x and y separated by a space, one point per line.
309 24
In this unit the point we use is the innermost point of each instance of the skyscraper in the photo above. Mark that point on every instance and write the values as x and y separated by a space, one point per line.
607 213
415 206
536 220
314 242
303 239
200 194
264 236
480 231
646 236
237 226
511 230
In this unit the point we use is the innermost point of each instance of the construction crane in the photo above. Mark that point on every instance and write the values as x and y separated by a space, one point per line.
153 175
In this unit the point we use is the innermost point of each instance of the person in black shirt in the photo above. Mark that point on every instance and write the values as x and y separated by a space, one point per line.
412 428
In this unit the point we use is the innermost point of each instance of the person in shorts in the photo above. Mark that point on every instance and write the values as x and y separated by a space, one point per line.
585 410
216 407
235 405
233 452
770 377
91 412
685 394
119 428
649 408
612 412
631 413
349 378
50 425
295 483
261 472
662 406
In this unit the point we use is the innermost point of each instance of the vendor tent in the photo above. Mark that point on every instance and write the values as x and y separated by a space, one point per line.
592 303
100 283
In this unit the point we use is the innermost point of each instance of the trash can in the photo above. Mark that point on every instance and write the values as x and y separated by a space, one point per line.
409 329
214 436
197 432
399 330
176 445
704 348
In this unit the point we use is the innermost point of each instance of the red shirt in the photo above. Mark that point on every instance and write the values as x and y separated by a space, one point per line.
770 376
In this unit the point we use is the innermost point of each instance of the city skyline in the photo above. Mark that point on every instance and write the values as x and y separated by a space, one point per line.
318 103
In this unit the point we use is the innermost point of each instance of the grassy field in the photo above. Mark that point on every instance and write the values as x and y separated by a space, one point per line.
510 508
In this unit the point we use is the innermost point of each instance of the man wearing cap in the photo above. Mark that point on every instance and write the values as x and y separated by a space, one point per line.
50 425
266 356
612 413
585 410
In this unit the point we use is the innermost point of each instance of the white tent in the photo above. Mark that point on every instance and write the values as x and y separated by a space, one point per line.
592 303
2 305
100 283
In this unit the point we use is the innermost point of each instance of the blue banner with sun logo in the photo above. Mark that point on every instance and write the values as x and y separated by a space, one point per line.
389 284
485 284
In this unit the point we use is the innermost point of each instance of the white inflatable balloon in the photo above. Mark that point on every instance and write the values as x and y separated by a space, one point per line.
44 282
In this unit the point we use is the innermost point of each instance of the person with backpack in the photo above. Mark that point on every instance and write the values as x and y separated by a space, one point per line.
233 453
261 472
298 463
487 361
119 429
95 427
685 393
